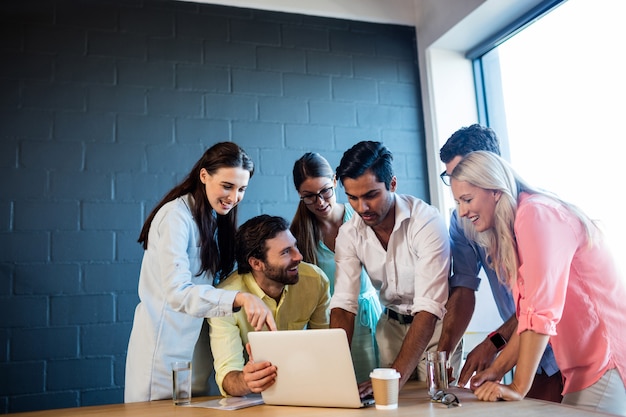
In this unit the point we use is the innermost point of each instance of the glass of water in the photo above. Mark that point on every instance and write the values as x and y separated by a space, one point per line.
437 372
181 380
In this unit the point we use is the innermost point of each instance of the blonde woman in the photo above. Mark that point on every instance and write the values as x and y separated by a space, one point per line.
315 227
566 286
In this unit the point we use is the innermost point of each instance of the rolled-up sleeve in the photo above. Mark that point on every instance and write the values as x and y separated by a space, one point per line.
226 346
547 240
320 318
430 241
348 270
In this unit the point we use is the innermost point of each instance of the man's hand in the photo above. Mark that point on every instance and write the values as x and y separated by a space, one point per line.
257 313
477 360
365 388
259 376
255 377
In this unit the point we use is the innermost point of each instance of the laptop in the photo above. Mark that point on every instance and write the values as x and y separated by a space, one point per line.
314 368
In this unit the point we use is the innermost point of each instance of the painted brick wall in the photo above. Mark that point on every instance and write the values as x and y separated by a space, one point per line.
105 105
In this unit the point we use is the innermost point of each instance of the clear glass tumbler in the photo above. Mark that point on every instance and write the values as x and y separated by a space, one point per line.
437 372
181 382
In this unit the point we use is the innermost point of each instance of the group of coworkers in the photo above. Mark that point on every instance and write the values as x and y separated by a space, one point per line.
385 268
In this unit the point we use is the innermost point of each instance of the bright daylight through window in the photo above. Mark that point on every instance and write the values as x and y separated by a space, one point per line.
564 93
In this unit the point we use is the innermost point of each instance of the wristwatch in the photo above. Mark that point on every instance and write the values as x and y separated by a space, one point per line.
498 341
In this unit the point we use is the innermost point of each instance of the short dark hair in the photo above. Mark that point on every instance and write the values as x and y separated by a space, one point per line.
367 155
469 139
251 236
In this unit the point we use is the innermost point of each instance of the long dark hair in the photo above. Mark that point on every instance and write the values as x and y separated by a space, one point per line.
217 255
304 225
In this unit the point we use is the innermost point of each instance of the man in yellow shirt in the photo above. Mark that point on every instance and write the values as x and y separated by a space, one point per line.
270 267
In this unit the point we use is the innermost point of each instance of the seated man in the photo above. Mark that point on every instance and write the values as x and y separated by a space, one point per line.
270 267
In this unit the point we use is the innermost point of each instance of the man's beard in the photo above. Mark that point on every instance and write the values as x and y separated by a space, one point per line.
280 274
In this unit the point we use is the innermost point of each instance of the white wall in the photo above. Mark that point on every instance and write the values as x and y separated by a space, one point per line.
400 12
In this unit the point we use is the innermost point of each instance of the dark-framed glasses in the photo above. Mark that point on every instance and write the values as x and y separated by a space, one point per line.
445 178
446 398
325 194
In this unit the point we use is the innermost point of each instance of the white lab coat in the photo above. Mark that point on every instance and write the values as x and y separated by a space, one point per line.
173 305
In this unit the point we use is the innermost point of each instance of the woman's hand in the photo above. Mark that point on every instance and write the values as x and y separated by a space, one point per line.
487 375
257 313
493 391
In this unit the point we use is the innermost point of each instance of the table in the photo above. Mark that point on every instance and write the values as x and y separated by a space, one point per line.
413 401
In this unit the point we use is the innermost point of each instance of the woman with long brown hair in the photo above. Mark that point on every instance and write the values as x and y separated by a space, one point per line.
188 240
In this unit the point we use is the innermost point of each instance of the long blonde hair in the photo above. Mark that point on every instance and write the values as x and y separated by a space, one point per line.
489 171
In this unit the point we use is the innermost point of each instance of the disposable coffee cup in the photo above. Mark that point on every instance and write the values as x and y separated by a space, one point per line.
386 384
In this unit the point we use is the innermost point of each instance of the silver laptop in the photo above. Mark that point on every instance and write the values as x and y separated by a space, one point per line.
314 368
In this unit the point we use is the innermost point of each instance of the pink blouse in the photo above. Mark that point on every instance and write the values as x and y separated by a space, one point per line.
570 291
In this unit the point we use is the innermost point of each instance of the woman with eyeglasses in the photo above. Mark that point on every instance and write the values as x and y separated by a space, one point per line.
566 286
315 227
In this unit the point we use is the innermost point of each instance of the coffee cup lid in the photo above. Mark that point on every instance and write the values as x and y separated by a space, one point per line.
385 373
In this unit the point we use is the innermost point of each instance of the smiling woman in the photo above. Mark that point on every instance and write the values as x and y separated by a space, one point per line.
188 240
561 273
475 204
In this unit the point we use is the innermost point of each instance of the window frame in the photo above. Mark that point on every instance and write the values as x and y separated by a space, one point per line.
486 70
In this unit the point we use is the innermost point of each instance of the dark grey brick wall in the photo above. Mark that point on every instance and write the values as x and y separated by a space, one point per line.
105 105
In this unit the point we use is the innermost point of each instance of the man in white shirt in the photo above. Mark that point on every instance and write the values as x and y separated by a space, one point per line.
404 246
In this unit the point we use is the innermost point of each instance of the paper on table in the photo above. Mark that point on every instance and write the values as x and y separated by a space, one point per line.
229 403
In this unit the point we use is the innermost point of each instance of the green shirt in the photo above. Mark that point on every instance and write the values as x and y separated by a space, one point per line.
301 306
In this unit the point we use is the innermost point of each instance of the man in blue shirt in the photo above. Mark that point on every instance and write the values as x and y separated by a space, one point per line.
467 260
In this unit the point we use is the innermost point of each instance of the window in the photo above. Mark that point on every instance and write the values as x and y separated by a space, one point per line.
555 93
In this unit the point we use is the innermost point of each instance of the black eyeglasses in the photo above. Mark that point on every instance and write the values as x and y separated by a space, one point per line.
325 194
445 178
447 399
